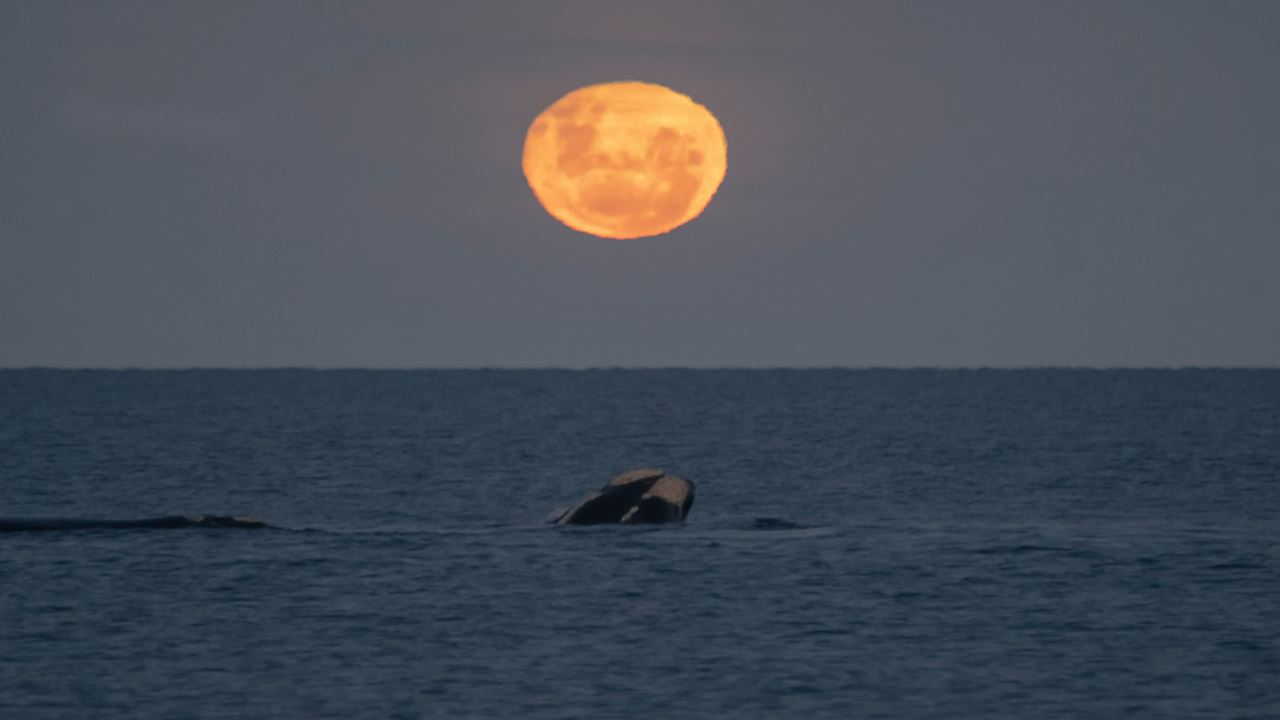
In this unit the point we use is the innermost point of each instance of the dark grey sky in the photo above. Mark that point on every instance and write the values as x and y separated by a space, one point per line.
339 184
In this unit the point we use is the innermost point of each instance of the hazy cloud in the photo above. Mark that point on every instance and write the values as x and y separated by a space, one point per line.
909 183
95 116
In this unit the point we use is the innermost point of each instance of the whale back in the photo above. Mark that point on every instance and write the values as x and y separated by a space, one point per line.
640 496
157 523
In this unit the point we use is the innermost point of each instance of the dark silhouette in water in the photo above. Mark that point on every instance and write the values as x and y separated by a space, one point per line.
163 523
770 523
637 496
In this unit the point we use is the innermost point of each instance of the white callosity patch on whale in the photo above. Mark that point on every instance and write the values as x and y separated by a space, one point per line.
671 488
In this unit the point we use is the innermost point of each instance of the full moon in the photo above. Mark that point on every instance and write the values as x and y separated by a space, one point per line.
624 160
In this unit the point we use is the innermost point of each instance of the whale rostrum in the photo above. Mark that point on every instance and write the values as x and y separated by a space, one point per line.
640 496
159 523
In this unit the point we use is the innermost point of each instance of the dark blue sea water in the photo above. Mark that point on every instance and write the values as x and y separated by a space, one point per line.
872 544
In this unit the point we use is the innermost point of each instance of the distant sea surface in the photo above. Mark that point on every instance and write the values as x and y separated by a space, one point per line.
864 544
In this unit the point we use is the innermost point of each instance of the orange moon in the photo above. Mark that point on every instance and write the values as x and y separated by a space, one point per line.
624 160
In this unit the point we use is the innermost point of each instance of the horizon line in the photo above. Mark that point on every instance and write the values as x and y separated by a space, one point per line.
601 368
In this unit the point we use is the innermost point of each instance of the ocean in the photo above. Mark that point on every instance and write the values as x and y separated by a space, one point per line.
864 544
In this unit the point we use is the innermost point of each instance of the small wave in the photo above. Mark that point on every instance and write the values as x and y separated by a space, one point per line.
768 523
1237 566
1018 549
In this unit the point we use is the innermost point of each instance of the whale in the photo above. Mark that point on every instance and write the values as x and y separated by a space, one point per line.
636 497
169 522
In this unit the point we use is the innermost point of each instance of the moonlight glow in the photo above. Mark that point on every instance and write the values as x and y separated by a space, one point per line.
624 160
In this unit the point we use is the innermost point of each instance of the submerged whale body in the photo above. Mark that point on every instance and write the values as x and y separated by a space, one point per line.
161 523
640 496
